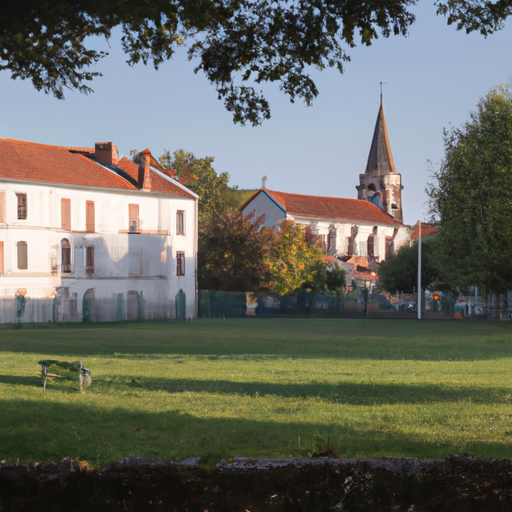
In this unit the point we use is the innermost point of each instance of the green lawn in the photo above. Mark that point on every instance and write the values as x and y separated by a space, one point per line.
260 387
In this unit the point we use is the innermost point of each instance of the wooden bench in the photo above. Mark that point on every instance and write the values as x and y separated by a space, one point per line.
52 369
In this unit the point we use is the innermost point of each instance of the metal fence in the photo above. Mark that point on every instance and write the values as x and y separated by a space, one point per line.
218 304
20 310
356 304
326 304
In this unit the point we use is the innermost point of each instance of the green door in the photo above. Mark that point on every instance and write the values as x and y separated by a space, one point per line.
181 305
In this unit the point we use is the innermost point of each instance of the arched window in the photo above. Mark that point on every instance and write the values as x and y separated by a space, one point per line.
65 256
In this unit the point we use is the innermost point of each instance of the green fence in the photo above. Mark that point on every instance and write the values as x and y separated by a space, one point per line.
355 304
217 304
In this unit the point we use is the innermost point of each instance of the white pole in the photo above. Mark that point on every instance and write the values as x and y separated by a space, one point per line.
419 270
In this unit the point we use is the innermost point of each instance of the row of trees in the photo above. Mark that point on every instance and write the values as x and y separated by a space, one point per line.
471 203
235 253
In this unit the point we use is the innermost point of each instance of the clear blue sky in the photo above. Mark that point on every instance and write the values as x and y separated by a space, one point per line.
433 79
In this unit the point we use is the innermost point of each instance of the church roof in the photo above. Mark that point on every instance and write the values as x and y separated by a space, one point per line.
380 159
332 208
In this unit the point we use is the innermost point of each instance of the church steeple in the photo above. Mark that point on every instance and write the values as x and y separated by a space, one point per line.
380 159
380 183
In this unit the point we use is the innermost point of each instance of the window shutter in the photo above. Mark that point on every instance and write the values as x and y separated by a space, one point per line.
65 213
370 246
1 258
2 205
22 255
89 265
89 217
66 255
133 214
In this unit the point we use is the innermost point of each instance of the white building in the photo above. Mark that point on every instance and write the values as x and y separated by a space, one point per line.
108 239
361 232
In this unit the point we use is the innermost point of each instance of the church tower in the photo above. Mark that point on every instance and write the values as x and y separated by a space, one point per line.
380 183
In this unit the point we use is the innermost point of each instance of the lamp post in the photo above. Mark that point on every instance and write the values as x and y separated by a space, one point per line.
419 270
365 284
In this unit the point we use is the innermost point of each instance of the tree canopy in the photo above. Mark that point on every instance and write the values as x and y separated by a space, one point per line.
216 196
292 264
400 271
232 251
238 44
472 196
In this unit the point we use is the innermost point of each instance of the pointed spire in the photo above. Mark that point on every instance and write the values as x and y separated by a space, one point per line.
380 159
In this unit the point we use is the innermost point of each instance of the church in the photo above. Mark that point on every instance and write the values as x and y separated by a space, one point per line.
359 233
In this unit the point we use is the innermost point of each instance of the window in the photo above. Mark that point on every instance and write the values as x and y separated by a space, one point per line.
89 264
331 241
22 206
322 242
2 205
180 222
350 246
65 214
1 258
370 245
351 242
389 246
89 217
180 263
22 255
133 215
66 256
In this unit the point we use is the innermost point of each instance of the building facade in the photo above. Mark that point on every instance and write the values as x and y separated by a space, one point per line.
361 232
106 239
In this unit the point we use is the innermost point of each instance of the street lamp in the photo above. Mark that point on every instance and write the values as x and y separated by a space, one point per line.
365 284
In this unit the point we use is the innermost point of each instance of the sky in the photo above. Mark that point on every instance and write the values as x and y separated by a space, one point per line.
432 80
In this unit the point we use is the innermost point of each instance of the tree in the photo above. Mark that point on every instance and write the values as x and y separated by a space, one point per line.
292 264
216 197
400 271
232 250
472 196
235 41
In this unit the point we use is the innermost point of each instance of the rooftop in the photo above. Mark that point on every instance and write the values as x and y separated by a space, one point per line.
330 208
41 163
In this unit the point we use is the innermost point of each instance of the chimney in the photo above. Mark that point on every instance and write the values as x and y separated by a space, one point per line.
145 181
106 153
264 182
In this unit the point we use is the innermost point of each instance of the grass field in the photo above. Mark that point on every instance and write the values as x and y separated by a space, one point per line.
255 387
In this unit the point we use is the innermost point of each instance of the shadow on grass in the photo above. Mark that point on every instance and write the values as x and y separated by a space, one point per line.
21 381
47 431
312 338
343 393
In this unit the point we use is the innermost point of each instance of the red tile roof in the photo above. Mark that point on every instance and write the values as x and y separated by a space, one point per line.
331 208
425 230
29 161
160 184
